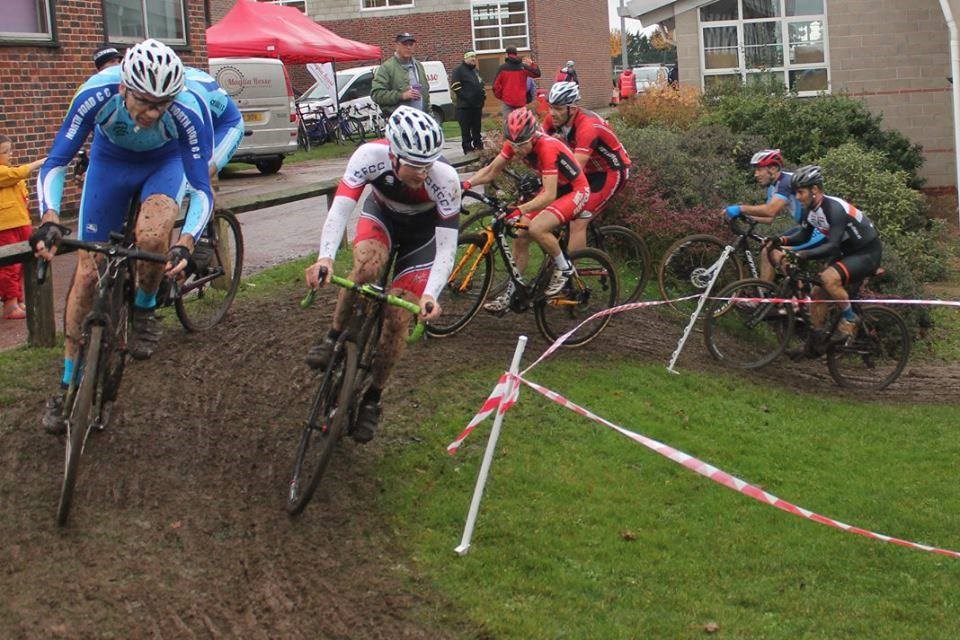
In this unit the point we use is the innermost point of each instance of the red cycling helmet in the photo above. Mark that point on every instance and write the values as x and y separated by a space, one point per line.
767 158
520 126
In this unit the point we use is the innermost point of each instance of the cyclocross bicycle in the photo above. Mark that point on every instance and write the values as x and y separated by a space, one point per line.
690 263
592 288
754 331
625 248
348 375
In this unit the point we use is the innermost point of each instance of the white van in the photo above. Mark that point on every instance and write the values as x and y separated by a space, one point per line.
354 87
262 90
650 75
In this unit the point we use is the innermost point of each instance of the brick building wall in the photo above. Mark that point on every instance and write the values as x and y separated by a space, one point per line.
37 82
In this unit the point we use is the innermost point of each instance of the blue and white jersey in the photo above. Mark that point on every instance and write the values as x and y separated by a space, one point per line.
227 120
185 129
782 189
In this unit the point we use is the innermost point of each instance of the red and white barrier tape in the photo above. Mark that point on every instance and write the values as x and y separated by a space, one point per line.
925 303
491 404
727 480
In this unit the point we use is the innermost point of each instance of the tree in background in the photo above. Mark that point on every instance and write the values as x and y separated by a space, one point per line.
640 50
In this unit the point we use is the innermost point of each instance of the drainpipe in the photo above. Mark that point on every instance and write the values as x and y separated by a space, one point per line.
624 58
955 71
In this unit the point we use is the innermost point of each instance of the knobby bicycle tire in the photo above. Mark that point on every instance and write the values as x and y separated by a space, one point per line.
684 270
78 418
114 358
747 334
630 256
466 288
330 412
594 288
876 356
204 307
476 221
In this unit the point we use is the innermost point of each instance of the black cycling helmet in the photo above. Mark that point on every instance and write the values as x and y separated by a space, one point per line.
806 177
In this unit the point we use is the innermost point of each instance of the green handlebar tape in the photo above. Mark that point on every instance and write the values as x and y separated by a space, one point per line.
417 333
308 299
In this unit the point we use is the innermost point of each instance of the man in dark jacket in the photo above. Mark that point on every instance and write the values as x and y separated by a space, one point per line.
510 85
467 87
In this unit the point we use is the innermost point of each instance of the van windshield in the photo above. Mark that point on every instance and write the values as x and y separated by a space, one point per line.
649 74
319 92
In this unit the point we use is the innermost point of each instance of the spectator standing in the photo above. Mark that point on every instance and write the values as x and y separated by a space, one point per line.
567 73
14 226
470 94
107 57
673 78
628 84
510 85
401 79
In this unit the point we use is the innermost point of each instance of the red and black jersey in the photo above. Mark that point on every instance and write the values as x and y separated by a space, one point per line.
588 133
550 156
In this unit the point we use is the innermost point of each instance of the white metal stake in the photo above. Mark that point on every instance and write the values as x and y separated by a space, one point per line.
696 314
488 454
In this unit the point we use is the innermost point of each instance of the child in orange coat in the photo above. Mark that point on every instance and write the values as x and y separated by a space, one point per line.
14 226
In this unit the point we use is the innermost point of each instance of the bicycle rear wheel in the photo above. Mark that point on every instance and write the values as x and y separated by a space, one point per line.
350 128
751 333
591 290
629 255
206 295
876 356
329 417
466 287
687 267
78 418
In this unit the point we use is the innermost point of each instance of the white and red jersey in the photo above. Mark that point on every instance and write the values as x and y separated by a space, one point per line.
589 134
550 156
438 200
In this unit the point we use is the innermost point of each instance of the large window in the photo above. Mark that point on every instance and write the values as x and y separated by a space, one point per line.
384 4
498 24
132 20
299 5
750 40
26 20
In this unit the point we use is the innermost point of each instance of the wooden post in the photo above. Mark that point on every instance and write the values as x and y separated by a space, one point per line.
41 323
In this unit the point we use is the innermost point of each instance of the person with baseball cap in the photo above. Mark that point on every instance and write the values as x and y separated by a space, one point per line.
401 79
469 94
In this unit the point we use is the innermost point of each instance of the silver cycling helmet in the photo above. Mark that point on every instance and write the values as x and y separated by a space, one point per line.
563 94
152 67
414 135
806 177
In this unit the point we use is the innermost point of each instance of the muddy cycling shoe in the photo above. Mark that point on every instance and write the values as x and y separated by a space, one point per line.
368 419
145 334
500 304
557 281
53 420
846 330
318 356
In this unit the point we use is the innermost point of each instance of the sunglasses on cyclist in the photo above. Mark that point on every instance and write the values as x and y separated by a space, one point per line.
416 166
144 101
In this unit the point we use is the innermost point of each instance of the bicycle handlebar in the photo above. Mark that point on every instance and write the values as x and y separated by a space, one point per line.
371 292
111 249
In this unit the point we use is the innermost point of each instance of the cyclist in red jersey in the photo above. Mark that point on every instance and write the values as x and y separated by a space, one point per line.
565 191
596 149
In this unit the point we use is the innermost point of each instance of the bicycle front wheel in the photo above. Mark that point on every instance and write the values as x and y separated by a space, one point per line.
466 287
592 289
877 354
351 129
630 257
751 332
687 266
206 295
78 418
328 419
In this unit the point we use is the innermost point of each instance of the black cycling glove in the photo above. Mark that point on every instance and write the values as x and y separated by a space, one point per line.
49 233
177 253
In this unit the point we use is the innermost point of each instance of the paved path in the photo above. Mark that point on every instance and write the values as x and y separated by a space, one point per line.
271 236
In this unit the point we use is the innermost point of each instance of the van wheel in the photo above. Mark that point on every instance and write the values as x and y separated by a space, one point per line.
269 166
437 114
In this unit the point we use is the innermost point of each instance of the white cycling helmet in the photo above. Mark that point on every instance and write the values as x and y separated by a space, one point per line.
414 135
563 94
152 67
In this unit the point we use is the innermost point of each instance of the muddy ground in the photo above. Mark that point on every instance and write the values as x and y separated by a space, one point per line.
178 529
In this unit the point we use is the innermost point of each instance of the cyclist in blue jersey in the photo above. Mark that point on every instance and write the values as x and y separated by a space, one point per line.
147 135
781 198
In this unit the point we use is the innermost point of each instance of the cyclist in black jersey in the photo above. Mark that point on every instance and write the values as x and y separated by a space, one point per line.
852 246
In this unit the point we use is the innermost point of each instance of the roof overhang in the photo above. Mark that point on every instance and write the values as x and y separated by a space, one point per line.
651 12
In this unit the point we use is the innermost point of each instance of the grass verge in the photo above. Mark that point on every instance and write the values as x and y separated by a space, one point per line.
585 534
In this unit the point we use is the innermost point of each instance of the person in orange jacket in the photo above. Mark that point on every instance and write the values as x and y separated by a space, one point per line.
14 226
628 84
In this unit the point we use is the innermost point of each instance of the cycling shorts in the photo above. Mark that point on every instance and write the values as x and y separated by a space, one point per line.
567 206
413 235
114 178
858 266
603 186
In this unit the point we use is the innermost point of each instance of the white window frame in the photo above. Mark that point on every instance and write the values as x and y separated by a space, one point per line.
39 36
133 39
406 4
295 3
784 69
482 48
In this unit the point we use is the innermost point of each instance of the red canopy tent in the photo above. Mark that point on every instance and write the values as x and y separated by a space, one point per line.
262 30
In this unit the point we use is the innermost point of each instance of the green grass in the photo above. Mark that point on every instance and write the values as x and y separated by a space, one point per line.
15 362
584 534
